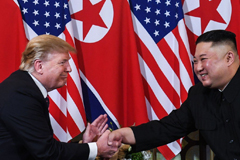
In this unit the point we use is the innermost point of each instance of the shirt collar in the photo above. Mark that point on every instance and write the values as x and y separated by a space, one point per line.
233 88
40 86
223 88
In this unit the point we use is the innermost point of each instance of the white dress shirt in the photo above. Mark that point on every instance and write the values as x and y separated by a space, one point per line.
92 145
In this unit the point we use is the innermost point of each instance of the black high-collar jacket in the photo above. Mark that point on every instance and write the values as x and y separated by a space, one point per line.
216 115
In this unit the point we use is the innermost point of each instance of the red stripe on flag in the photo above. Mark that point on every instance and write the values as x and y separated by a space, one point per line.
169 56
58 115
160 77
168 154
157 107
72 127
184 54
62 92
185 58
183 94
71 42
74 93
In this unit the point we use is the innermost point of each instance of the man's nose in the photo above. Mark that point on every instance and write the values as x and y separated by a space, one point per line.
198 66
68 67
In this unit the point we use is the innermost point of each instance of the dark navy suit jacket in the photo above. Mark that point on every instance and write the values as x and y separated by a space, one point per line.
25 129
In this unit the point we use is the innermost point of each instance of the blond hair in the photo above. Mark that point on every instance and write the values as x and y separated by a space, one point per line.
40 47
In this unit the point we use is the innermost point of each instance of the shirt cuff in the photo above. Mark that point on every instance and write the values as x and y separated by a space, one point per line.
93 151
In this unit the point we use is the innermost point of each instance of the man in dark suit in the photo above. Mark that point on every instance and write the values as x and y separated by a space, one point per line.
25 129
212 106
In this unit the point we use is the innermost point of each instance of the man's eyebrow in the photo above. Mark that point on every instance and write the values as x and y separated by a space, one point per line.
66 59
200 55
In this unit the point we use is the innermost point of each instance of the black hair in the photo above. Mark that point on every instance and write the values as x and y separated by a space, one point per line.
218 37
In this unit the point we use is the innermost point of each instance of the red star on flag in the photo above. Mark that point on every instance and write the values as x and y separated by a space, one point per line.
207 11
89 15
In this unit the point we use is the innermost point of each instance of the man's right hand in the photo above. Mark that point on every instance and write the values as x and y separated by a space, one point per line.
124 135
104 149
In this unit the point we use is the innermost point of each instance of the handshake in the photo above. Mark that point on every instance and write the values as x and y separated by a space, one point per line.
108 143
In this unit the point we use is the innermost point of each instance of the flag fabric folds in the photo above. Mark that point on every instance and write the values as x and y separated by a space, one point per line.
12 39
134 56
164 57
108 60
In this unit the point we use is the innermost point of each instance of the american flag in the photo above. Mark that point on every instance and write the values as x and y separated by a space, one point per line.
164 58
66 109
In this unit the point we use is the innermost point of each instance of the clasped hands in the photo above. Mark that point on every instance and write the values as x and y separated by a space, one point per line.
97 132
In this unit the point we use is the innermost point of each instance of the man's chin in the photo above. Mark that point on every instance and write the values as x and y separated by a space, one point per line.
207 85
62 84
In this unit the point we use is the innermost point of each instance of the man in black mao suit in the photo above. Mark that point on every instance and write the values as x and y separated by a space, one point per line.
25 129
212 106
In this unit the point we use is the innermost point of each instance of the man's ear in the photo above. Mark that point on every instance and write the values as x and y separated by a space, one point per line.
38 66
230 57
